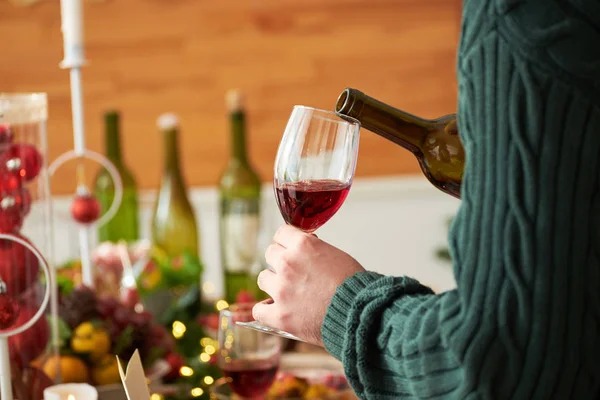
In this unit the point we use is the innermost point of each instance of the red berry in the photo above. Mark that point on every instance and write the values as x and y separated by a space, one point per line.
23 160
244 296
9 310
122 317
85 208
140 320
106 305
160 337
130 297
19 267
175 361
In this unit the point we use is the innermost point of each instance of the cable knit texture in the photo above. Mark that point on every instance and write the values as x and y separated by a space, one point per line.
524 321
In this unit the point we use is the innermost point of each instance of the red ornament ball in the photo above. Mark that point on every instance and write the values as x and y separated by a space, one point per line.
23 160
19 267
14 206
6 136
85 208
31 343
9 182
9 311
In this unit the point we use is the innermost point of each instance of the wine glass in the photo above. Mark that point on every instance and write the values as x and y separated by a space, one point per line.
315 166
249 359
314 170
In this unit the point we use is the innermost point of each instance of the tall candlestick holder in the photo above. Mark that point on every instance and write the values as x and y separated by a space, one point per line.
27 283
85 208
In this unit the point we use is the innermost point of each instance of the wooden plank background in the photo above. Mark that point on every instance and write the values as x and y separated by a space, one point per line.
151 56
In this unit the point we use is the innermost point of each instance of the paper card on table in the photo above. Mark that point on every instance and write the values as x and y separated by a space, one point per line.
134 380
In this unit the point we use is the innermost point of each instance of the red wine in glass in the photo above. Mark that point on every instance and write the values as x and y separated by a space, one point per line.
250 379
307 205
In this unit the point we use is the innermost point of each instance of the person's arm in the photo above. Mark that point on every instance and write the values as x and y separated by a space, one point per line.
524 320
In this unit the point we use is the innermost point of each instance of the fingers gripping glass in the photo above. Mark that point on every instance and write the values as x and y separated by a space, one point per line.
314 170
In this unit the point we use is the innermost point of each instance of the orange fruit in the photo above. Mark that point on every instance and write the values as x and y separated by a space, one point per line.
72 369
106 371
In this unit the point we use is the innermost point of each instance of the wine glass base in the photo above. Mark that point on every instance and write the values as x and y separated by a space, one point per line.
257 326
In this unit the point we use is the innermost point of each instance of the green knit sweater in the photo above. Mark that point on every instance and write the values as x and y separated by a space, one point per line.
524 321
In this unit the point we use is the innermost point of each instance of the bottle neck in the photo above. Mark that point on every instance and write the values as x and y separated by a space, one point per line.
238 137
112 138
398 126
171 152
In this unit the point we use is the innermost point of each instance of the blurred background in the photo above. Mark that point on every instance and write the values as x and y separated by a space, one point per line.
148 57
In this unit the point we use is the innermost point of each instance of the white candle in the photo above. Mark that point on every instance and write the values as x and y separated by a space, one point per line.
72 21
72 30
71 391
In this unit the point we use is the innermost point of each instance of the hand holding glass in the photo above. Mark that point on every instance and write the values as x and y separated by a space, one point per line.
314 170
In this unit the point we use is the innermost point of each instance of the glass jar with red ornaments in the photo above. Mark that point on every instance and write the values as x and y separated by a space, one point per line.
26 297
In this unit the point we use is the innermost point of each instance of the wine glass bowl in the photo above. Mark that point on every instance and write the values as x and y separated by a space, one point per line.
315 166
248 358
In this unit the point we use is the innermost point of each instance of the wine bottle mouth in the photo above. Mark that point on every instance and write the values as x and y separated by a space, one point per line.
342 102
329 115
348 105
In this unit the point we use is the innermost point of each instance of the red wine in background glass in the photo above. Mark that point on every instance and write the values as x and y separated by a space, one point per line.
250 379
308 204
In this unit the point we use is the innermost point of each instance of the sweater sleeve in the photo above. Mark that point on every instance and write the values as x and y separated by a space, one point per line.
524 320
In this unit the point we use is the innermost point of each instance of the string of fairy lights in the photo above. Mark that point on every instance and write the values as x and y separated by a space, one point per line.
208 345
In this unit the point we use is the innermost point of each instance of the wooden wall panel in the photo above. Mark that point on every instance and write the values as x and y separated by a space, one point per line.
150 56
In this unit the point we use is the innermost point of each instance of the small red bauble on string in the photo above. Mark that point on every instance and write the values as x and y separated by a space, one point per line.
85 208
23 160
9 308
14 206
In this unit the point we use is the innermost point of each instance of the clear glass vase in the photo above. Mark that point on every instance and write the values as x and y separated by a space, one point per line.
26 244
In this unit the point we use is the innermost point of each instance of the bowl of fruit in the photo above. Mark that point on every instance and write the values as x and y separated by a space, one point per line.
94 331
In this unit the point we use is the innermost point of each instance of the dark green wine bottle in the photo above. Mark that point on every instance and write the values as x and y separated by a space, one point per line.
174 227
124 225
239 216
435 143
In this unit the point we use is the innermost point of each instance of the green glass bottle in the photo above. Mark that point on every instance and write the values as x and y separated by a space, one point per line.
239 216
174 228
124 225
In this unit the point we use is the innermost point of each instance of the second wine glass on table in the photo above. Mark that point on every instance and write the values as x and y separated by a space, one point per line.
249 359
314 170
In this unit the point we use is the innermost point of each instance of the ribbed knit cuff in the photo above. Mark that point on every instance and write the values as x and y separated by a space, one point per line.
334 326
